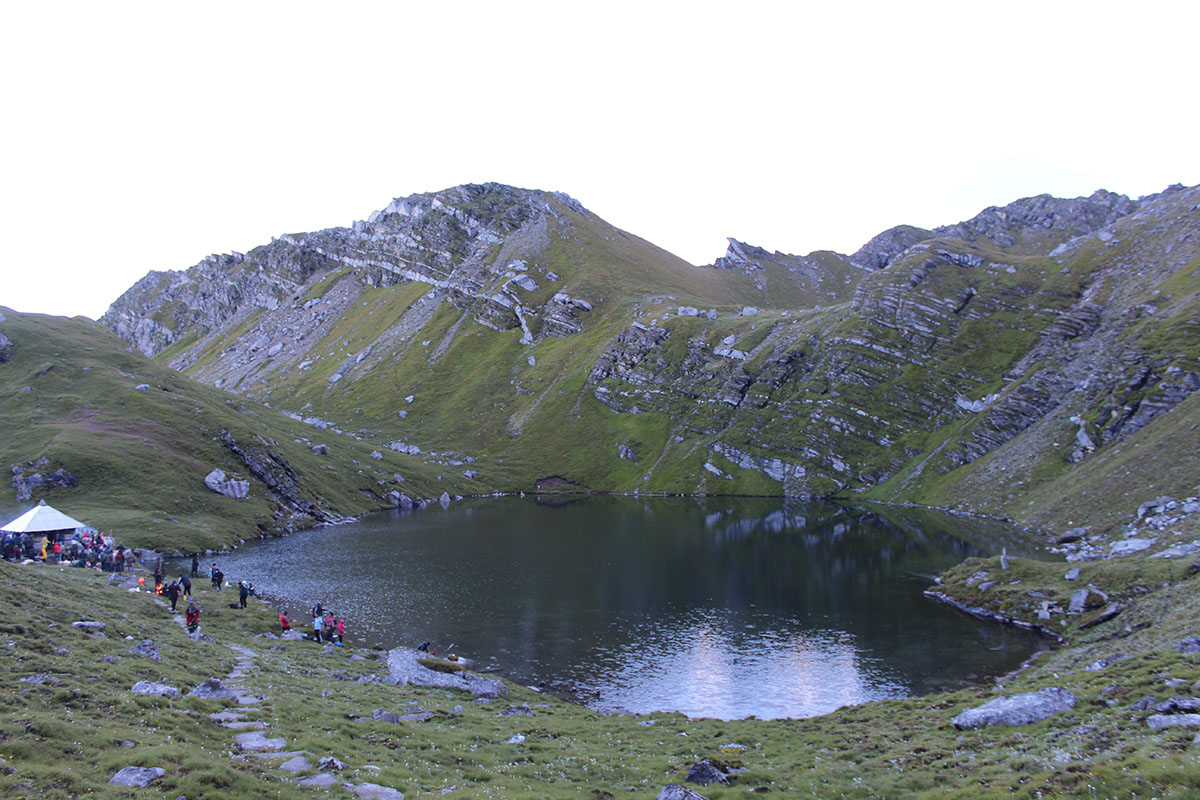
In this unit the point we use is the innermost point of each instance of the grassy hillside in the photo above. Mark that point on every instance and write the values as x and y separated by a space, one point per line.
69 396
66 736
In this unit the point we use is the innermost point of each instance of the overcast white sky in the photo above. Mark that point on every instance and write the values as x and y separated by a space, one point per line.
139 136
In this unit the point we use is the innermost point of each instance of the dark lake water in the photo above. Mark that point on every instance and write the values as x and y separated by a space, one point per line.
714 607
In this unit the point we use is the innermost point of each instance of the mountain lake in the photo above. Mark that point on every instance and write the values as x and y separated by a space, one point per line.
710 606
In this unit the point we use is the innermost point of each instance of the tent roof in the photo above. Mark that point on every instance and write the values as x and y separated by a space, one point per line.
42 518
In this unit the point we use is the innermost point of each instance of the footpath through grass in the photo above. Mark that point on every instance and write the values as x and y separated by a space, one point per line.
64 738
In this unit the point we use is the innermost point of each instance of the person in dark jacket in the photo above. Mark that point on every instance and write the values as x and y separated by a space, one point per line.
172 593
186 583
243 593
195 564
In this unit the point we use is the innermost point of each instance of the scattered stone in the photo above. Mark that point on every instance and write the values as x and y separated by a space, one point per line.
1073 535
1104 616
159 689
674 791
404 668
142 387
516 711
197 636
375 454
137 777
297 764
1103 663
1160 721
517 738
1179 705
219 483
1179 550
321 449
1072 574
321 780
1189 645
247 725
257 742
90 627
146 649
705 772
1019 709
226 716
1128 546
329 762
292 636
40 679
376 792
214 690
1145 704
396 719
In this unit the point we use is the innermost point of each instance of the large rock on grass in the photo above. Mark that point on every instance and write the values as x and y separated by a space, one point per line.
374 791
159 689
673 791
219 483
1019 709
213 689
146 649
137 777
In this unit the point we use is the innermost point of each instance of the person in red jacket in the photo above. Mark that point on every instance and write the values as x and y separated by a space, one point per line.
193 617
284 622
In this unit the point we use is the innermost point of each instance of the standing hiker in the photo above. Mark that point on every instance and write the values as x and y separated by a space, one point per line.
284 622
193 617
186 583
172 593
195 565
243 593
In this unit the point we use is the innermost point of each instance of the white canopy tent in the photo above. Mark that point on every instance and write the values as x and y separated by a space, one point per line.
42 519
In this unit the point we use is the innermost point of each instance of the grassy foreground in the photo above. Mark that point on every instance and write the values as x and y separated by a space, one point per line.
67 738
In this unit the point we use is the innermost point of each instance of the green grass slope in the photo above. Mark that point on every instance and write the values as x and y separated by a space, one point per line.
65 738
68 395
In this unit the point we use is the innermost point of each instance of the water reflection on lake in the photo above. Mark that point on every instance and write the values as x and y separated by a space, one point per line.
714 607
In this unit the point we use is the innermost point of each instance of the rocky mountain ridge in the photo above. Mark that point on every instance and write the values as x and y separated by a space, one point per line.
517 328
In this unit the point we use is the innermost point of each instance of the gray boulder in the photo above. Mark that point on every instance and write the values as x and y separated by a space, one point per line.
89 627
40 679
213 689
673 791
146 649
1019 709
137 777
297 764
323 781
376 792
1160 721
329 762
1188 645
257 742
396 719
705 772
219 483
159 689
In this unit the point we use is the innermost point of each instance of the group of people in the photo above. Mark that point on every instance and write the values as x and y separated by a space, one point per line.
325 626
84 549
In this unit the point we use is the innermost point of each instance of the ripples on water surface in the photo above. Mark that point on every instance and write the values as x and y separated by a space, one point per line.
713 607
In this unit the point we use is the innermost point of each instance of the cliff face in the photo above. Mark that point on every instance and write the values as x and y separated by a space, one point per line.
516 326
